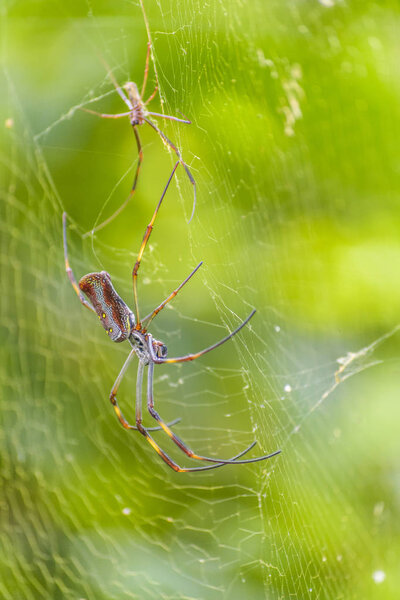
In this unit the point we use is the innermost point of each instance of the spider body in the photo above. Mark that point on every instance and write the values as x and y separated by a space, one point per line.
139 115
115 316
122 324
139 112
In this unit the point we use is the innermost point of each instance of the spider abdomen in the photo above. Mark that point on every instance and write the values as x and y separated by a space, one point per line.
115 316
139 112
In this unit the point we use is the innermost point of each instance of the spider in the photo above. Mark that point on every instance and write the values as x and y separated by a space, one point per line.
122 324
138 115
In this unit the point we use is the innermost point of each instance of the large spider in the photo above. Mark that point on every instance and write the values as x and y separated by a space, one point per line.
121 324
138 115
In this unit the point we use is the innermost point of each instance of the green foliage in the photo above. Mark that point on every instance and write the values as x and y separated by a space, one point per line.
294 148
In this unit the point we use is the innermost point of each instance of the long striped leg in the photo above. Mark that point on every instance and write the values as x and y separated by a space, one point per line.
189 357
146 236
105 115
155 312
150 98
179 442
113 398
145 432
133 189
153 114
178 154
146 70
116 84
68 269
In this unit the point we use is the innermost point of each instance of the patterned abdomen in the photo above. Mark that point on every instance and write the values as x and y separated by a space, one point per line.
115 316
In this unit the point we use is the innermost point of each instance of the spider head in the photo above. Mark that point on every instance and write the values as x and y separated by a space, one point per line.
160 349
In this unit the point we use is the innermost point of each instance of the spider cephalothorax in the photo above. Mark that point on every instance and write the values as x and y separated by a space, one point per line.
121 324
139 340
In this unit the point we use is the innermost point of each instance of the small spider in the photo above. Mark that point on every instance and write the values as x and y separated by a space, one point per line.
121 324
138 115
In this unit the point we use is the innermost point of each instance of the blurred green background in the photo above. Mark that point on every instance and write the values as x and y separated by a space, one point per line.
294 148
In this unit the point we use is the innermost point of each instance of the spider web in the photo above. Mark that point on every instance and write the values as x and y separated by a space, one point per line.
294 109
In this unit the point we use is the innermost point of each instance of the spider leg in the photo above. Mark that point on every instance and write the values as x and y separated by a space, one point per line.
133 189
68 269
179 442
114 402
146 236
146 70
150 98
168 142
174 422
153 114
189 357
105 115
115 82
145 432
155 312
